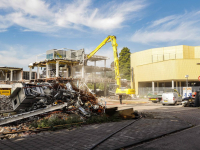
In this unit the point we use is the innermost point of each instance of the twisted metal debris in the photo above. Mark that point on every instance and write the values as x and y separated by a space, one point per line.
39 99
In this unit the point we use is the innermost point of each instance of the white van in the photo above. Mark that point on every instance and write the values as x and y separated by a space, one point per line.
172 97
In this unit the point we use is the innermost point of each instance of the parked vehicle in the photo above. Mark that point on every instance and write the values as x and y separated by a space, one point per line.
194 95
188 101
171 96
155 97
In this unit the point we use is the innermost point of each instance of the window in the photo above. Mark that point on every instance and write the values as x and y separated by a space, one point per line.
49 56
15 101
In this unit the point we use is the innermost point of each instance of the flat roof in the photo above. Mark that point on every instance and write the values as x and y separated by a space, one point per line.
61 60
11 68
5 86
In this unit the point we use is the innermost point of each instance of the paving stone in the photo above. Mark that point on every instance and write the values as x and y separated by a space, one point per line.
147 128
87 136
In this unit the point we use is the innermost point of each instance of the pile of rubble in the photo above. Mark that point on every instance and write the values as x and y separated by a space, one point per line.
50 97
58 100
5 103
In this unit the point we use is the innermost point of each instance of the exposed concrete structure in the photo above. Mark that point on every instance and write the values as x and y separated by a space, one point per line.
10 74
92 73
22 97
30 73
57 68
38 72
26 75
70 64
47 70
13 74
59 63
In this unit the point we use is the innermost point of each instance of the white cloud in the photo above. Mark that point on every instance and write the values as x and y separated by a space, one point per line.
176 28
38 15
3 30
16 56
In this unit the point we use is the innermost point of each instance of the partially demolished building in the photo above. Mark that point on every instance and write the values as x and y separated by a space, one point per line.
14 74
70 65
61 86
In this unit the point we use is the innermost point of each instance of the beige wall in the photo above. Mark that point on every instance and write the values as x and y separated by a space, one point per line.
165 64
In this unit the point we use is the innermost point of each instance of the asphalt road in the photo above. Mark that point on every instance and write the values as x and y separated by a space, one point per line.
144 105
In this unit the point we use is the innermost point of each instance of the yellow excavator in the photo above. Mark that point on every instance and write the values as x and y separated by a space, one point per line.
111 38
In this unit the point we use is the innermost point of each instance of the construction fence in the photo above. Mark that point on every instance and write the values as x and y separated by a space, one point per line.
144 91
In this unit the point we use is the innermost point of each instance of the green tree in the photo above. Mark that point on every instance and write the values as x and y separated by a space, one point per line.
124 63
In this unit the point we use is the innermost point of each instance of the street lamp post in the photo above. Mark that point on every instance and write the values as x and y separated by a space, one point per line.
186 76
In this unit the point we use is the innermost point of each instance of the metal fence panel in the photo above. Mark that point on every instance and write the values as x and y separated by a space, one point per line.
144 91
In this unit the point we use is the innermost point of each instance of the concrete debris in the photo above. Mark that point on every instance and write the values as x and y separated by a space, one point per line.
5 103
31 100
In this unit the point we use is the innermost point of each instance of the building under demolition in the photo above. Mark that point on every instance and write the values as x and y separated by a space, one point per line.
14 74
71 65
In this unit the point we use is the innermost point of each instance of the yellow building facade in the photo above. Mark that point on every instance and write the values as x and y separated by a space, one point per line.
166 66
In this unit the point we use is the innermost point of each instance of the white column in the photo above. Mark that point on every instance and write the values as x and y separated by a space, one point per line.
57 68
176 85
152 86
180 87
38 72
71 68
30 72
11 75
47 70
94 63
104 63
73 71
67 73
6 76
172 84
83 71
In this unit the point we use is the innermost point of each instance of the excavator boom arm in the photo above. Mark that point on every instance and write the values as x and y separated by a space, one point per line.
111 39
106 40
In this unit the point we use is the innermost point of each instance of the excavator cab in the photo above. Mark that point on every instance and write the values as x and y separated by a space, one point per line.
124 91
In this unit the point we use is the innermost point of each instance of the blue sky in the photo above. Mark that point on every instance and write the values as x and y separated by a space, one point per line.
30 27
